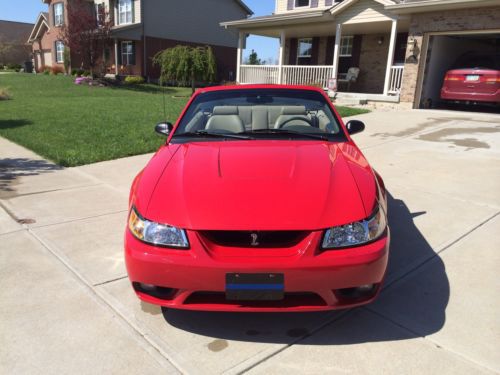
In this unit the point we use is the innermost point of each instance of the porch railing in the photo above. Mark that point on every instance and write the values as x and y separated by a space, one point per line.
266 74
306 75
395 79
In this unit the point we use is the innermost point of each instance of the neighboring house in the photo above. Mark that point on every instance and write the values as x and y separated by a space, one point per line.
13 47
401 48
142 28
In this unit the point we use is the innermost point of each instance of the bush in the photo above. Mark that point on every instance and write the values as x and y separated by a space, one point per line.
4 94
16 67
134 80
44 69
55 70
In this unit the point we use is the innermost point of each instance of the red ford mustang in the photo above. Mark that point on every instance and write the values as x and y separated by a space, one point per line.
258 201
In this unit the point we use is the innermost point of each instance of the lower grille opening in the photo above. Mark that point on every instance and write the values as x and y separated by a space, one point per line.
293 299
155 291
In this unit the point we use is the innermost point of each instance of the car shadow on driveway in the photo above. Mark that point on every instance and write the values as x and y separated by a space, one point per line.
419 305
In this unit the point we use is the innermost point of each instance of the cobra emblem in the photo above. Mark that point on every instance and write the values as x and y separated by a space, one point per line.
255 237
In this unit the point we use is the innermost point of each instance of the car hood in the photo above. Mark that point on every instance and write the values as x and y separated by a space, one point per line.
262 185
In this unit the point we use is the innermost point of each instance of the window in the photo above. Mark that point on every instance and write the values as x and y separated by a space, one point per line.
301 3
58 14
59 52
124 11
128 53
100 14
304 48
346 46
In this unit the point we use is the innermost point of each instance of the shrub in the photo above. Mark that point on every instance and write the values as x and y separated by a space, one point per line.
15 67
55 70
44 69
4 94
134 80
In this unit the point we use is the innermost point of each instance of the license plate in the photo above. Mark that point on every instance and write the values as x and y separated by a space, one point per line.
255 286
471 77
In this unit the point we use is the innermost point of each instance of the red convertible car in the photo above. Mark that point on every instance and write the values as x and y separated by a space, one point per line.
258 201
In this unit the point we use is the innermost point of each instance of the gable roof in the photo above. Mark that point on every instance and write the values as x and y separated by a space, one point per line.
42 20
245 7
347 3
15 32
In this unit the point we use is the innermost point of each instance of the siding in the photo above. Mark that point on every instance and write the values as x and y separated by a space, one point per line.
192 21
282 6
364 11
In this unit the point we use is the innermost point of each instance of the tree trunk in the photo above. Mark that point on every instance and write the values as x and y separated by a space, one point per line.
192 83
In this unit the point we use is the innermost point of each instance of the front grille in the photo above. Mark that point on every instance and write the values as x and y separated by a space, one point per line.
291 299
256 239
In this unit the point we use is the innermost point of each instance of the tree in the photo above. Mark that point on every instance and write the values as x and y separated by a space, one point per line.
253 59
86 33
5 48
186 65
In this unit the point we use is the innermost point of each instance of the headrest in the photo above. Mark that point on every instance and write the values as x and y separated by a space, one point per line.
225 110
293 110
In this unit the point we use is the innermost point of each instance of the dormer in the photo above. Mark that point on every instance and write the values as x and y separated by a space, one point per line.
284 6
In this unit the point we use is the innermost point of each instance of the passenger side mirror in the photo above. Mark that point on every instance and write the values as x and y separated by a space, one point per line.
355 126
164 128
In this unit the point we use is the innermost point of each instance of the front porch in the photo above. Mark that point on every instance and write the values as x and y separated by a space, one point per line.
354 47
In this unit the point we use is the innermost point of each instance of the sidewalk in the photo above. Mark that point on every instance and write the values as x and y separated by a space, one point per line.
67 305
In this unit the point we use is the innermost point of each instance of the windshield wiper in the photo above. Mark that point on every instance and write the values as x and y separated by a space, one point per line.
289 132
204 133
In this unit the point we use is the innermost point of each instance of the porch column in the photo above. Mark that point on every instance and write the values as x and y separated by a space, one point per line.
390 57
116 57
281 56
336 51
238 56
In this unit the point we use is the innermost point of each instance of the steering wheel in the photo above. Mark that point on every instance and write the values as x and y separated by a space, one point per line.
295 118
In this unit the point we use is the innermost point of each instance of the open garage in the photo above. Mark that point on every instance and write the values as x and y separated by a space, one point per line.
456 51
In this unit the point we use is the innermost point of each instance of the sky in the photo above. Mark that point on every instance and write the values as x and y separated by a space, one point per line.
28 10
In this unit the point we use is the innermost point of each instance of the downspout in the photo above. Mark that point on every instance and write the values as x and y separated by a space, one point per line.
144 51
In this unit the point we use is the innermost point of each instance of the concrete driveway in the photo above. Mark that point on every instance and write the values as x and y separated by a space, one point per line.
67 306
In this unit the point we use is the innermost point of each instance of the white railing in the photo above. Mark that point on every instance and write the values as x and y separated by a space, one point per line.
266 74
395 79
290 74
307 75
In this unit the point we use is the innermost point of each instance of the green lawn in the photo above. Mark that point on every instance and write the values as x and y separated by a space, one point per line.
74 125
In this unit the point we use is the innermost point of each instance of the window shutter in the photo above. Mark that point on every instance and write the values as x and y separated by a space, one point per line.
328 3
119 57
62 13
314 3
315 51
330 45
132 58
356 50
132 4
290 4
293 51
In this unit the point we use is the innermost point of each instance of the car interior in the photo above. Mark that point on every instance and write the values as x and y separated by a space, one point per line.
246 118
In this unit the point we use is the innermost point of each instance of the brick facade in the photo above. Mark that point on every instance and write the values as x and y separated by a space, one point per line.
457 20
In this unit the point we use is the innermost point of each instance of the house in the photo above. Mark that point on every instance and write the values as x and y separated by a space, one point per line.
401 49
13 47
141 28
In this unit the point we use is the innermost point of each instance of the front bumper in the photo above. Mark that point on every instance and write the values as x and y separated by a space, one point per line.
313 280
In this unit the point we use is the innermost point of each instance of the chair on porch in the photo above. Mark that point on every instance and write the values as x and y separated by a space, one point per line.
350 77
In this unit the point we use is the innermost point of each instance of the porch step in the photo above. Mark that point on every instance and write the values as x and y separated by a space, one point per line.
348 102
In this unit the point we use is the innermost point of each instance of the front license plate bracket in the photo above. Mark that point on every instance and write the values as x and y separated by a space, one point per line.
255 286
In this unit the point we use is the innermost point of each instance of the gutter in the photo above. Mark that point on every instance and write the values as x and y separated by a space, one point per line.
433 5
276 18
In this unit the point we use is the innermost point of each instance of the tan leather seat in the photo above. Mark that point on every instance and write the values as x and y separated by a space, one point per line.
289 112
225 118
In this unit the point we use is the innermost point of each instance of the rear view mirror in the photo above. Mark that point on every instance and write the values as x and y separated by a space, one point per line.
355 126
164 128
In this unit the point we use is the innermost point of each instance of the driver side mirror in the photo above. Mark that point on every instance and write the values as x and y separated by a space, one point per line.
355 126
164 128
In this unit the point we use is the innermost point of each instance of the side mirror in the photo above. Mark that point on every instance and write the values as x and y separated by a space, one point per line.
355 126
164 128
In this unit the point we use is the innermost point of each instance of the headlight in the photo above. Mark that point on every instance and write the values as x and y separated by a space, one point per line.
155 233
356 233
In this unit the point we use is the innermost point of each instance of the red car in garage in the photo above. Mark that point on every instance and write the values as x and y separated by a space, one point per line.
475 79
258 201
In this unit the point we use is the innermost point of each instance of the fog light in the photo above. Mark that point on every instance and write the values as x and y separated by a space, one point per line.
365 288
147 287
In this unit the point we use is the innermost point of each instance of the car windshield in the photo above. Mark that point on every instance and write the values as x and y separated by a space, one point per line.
259 113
